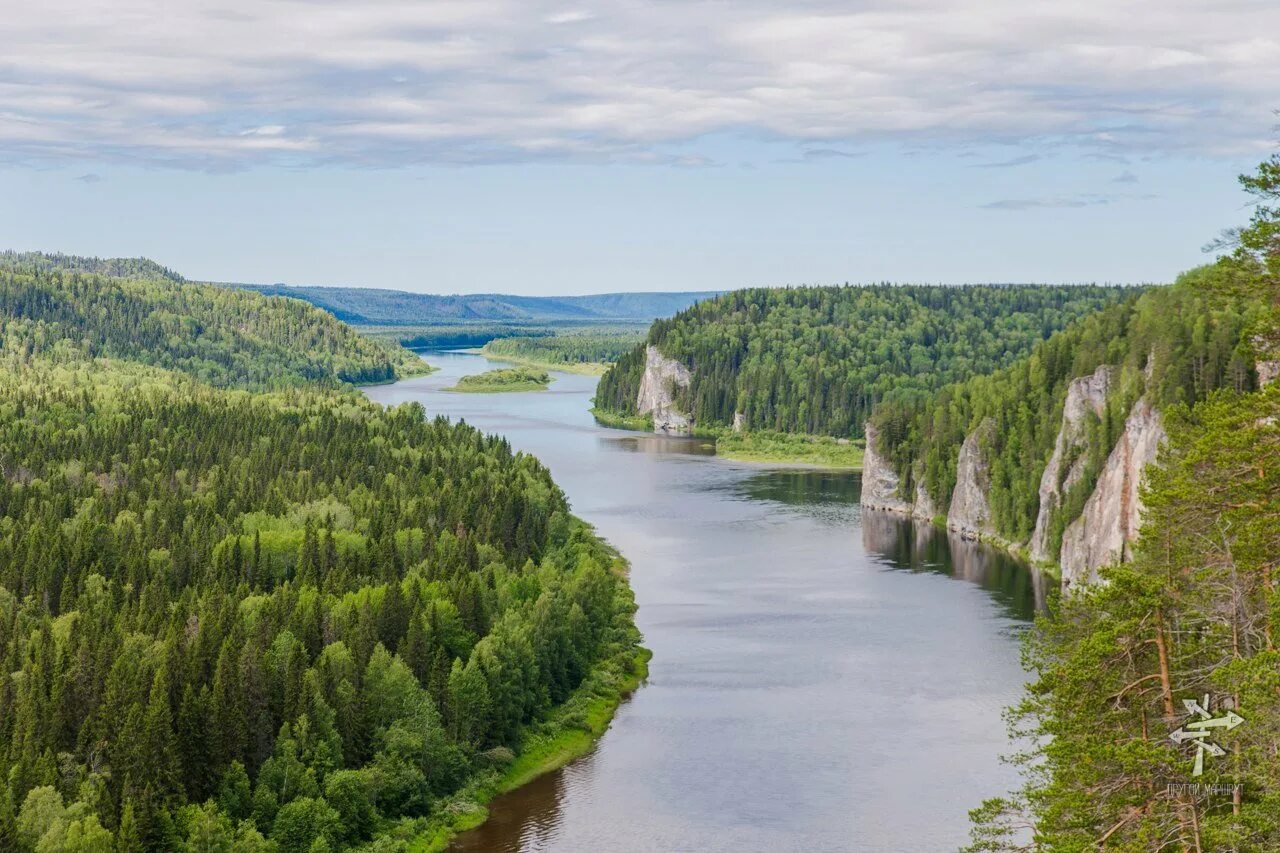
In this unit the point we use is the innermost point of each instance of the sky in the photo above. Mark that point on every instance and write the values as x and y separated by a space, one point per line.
556 148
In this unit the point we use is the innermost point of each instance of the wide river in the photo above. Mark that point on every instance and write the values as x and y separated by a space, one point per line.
821 680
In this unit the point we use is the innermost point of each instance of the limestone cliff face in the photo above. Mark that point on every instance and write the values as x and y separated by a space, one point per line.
970 513
880 483
1109 523
662 377
1085 395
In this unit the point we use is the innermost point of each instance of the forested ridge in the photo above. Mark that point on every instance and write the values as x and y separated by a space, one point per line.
1175 344
1195 615
224 337
278 620
818 360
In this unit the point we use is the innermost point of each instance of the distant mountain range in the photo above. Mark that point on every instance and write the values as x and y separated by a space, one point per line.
367 306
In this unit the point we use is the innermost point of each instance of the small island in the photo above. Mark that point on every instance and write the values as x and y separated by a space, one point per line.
504 379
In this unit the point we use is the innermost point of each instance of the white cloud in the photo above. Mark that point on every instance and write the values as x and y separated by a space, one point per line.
228 83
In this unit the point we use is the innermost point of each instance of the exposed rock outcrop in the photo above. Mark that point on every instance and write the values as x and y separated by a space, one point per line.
1085 395
662 377
923 508
1109 523
970 513
880 483
1267 365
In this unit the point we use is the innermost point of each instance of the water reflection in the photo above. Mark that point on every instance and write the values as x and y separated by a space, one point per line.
813 687
657 444
919 547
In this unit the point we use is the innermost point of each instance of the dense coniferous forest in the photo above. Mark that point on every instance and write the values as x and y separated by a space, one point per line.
569 348
278 620
1177 344
818 360
223 337
1196 613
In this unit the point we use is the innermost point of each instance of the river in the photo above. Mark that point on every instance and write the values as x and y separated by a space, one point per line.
821 680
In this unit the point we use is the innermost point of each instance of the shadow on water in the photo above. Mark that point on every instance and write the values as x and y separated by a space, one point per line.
917 546
802 487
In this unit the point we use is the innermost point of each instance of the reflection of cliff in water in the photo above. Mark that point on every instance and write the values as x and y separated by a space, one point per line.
922 547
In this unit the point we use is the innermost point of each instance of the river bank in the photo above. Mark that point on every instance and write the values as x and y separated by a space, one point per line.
569 733
582 368
775 618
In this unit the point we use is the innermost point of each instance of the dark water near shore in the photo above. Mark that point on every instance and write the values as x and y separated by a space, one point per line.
821 680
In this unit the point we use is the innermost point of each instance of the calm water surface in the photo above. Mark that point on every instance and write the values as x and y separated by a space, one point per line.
822 680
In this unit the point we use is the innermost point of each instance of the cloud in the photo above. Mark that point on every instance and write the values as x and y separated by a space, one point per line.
1007 164
89 178
831 154
1125 177
226 84
1047 202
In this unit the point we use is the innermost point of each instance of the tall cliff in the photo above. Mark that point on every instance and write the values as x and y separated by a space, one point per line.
1086 396
661 379
1105 528
970 511
1109 523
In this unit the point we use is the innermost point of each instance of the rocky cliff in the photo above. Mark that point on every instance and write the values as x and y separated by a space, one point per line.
1086 396
970 512
880 483
1110 520
1109 523
662 377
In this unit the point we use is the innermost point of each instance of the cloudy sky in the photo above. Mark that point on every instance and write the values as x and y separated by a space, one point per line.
536 147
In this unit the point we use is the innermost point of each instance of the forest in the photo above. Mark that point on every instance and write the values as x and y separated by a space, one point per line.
818 360
221 336
1175 344
586 350
242 607
1195 615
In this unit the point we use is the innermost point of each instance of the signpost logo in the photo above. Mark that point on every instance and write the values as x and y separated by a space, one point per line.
1201 730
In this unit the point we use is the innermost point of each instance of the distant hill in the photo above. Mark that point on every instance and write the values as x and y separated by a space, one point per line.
399 308
113 267
136 310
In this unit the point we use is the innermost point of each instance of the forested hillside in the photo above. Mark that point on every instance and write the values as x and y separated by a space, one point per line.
282 620
818 359
1176 344
224 337
1190 622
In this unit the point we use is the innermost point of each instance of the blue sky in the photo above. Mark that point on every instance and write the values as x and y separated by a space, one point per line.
527 147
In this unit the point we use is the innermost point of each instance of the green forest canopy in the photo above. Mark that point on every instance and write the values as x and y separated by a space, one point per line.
224 337
1195 614
819 359
288 620
1175 343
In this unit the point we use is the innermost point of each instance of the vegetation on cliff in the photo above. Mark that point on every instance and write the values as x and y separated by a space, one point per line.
817 360
1194 616
1177 344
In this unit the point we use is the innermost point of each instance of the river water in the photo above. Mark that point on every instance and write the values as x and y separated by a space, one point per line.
822 680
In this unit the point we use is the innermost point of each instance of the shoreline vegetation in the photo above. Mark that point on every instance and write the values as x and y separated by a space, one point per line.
503 380
582 368
760 446
786 448
572 731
